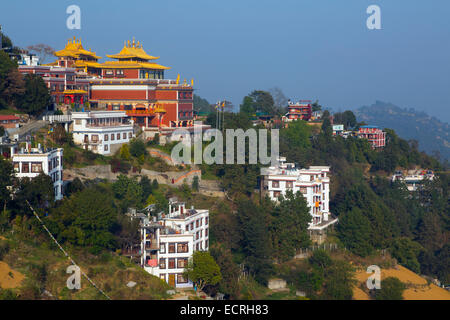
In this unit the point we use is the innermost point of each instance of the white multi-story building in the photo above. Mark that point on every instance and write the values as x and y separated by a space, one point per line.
102 132
169 241
31 162
313 183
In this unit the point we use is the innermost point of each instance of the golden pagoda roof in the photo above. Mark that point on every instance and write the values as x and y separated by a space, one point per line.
75 49
132 65
132 50
83 63
74 92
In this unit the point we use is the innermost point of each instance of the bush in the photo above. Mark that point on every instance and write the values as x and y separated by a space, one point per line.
391 289
120 166
137 148
4 249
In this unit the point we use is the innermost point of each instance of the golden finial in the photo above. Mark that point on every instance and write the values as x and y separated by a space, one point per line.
192 82
138 43
184 82
73 39
134 43
178 79
128 43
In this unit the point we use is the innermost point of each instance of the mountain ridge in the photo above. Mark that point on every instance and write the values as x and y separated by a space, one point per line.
432 134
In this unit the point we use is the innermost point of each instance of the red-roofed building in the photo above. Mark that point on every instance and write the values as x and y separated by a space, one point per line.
9 121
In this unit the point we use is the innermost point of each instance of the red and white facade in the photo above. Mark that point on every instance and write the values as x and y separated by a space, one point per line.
301 110
63 83
374 134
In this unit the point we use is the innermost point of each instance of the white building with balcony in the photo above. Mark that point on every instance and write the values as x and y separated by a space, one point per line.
170 241
102 132
31 162
313 183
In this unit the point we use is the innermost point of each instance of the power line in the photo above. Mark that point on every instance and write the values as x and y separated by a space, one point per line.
64 251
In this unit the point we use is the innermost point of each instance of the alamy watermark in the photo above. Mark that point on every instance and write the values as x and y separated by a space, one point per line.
74 281
74 19
213 152
374 20
374 281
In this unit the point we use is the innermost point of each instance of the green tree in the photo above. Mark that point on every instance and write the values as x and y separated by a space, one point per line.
290 221
195 184
228 269
6 179
202 270
391 289
125 152
87 218
38 191
137 147
255 239
36 97
354 230
339 281
406 251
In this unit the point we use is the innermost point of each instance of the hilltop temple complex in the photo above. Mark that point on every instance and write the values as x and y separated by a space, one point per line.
133 82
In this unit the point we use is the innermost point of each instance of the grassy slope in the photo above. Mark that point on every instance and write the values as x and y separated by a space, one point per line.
109 271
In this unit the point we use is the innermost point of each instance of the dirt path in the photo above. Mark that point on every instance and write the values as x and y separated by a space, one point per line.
9 278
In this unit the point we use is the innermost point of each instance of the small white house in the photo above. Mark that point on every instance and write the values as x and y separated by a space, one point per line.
31 162
102 132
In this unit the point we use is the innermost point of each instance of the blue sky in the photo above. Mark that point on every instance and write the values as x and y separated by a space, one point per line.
311 49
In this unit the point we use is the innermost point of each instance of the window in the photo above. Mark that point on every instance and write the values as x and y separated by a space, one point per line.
171 263
106 147
182 262
196 235
275 184
16 167
162 276
206 244
206 232
162 248
94 138
106 137
109 72
25 167
129 135
162 263
171 247
196 223
118 136
119 72
303 190
78 121
289 184
124 136
276 194
181 279
206 221
112 136
182 247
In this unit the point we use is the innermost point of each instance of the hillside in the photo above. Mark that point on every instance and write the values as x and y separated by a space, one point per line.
432 134
417 288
